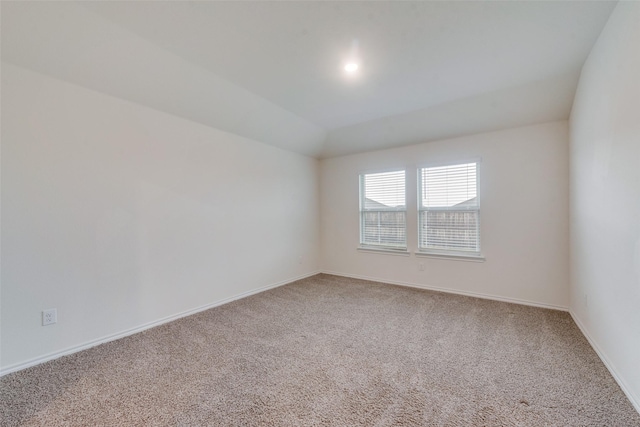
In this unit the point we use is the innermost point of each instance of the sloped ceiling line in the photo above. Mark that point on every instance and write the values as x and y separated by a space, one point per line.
270 71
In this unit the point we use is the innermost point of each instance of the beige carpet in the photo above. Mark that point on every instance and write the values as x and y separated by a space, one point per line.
334 352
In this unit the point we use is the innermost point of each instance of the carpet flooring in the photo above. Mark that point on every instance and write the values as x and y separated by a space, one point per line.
332 351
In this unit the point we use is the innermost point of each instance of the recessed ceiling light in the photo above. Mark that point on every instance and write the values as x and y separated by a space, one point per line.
351 67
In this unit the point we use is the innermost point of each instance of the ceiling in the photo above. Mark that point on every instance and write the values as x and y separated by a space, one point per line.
272 71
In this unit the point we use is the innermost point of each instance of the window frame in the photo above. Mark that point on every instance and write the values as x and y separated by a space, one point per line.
448 253
401 250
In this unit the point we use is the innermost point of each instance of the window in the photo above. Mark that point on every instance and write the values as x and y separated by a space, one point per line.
449 209
383 213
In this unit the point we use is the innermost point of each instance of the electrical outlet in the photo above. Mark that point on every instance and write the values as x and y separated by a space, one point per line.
49 317
421 266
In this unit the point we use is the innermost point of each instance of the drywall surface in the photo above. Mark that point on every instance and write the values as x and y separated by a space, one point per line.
68 41
119 215
524 216
605 198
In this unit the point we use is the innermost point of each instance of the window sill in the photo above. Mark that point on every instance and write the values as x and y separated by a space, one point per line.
452 256
385 251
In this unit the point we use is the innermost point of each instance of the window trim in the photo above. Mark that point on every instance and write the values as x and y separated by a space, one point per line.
388 249
453 256
476 256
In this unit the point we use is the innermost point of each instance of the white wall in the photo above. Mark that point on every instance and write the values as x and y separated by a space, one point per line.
119 215
73 43
605 198
524 216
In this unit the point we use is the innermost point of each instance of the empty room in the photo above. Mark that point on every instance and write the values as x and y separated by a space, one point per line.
305 213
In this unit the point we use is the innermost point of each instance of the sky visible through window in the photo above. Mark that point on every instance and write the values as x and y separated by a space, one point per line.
386 188
447 186
442 186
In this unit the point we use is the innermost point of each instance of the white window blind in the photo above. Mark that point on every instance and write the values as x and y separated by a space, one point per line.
449 209
383 213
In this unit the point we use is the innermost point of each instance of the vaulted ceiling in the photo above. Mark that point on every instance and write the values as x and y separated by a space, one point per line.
273 71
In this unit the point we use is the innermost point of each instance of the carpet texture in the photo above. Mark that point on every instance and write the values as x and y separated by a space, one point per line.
331 351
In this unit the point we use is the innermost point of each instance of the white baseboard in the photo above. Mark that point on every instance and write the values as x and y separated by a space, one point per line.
452 291
74 349
635 400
